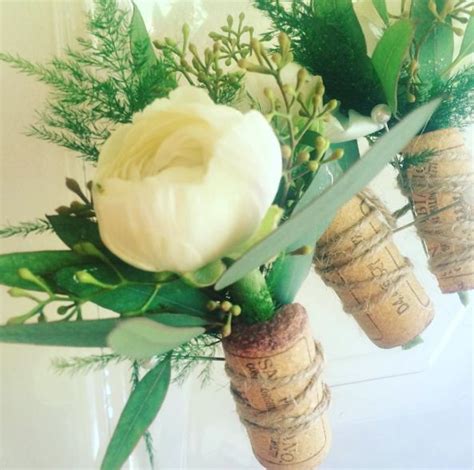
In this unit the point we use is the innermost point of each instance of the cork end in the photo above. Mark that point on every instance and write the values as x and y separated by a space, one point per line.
269 337
442 139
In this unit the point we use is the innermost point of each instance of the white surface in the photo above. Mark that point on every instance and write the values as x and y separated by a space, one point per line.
391 409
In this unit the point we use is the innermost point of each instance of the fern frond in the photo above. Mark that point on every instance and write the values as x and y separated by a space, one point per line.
98 84
85 364
23 229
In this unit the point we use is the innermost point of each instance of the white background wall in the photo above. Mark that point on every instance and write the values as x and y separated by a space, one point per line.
390 409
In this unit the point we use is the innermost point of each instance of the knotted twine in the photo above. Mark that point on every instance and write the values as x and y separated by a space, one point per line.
328 252
457 236
279 420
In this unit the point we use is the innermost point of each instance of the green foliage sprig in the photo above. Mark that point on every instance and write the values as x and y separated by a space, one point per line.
103 82
328 40
23 229
457 107
207 70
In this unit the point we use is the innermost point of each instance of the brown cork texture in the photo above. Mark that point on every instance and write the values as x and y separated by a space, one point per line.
444 180
275 376
357 257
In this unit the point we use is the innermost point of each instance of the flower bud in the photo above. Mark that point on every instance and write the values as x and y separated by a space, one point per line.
321 145
312 166
286 152
84 277
330 106
225 306
303 157
212 305
336 155
301 76
236 310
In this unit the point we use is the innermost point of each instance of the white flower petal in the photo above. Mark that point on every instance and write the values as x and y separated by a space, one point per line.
185 183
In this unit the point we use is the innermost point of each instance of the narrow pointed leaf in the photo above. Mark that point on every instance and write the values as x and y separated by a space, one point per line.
140 44
140 410
85 333
381 7
389 57
141 338
314 218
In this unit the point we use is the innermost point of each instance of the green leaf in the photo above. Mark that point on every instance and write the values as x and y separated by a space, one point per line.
130 298
467 45
314 218
381 7
286 276
140 410
389 56
75 230
140 44
180 319
205 276
289 271
85 333
436 53
41 263
141 338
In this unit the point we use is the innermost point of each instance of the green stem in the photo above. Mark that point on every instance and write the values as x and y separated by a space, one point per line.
252 294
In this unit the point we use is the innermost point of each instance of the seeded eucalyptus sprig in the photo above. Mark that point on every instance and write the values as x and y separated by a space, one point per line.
207 69
296 115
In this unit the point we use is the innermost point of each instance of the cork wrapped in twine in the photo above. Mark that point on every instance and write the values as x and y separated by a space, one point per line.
357 257
443 185
275 372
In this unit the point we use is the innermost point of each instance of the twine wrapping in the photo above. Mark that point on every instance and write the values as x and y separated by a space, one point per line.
358 258
275 373
443 186
279 419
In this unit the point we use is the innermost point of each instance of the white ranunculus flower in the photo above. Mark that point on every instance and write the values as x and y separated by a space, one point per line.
186 182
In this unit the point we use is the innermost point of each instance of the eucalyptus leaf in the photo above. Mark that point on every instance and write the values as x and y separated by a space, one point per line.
140 410
142 338
381 7
287 274
205 276
389 57
41 263
467 45
315 217
436 53
84 333
130 298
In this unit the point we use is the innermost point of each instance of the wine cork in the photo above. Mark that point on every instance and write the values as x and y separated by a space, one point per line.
275 371
441 188
376 284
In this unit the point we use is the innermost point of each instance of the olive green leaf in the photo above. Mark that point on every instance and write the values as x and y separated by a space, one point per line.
389 56
141 338
140 410
85 333
315 217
